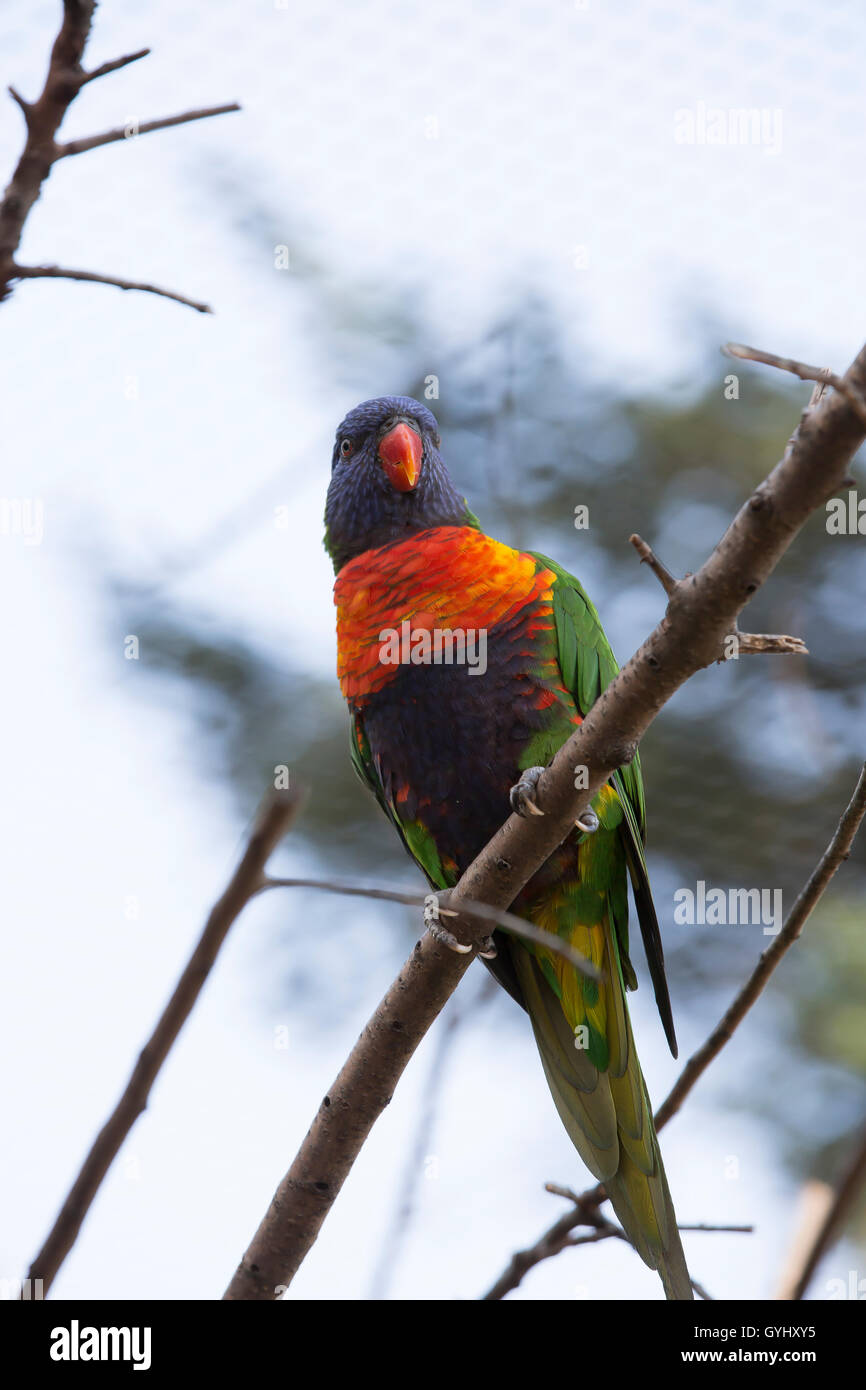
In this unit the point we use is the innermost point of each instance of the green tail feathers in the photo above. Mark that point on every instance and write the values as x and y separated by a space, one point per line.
607 1115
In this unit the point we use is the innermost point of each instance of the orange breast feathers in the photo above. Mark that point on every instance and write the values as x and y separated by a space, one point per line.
445 580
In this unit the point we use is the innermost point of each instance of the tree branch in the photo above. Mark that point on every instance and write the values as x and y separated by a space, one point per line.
588 1202
807 900
558 1238
133 130
824 375
43 118
699 616
584 1212
113 66
661 572
494 916
768 644
273 821
736 643
813 1204
57 272
831 1227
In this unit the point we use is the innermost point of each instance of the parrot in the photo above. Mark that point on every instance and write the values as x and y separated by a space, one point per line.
465 665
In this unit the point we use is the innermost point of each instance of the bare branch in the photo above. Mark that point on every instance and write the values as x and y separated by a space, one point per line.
807 900
131 131
702 611
113 66
822 375
58 272
273 821
496 916
769 643
43 117
730 1230
558 1237
834 1220
747 643
584 1212
815 1200
26 106
649 557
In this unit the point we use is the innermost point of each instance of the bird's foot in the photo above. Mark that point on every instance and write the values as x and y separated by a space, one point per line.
487 949
522 794
588 822
433 911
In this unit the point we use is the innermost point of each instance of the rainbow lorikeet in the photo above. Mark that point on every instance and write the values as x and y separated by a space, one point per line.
466 665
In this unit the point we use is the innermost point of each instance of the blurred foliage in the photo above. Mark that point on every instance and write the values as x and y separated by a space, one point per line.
749 766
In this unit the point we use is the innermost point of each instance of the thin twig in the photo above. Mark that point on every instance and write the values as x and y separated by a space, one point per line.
557 1238
831 1227
132 130
802 370
57 272
744 643
585 1213
649 557
813 1204
730 1230
114 66
807 900
497 916
768 644
271 825
25 106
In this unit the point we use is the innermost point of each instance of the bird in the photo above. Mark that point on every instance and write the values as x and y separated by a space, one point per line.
466 664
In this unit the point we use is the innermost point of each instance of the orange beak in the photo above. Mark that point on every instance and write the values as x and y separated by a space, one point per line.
400 453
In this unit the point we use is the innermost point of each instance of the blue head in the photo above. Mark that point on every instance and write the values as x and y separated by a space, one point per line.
388 479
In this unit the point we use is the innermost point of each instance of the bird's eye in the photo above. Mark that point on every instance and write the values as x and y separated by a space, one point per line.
347 448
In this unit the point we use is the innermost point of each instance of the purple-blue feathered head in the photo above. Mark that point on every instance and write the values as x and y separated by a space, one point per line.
388 479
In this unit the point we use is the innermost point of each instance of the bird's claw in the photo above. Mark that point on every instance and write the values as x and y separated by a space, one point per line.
432 912
588 822
522 794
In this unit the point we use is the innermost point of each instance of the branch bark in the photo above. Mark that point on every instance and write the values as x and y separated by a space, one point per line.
272 823
702 611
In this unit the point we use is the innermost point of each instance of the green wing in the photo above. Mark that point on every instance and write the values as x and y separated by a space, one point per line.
418 841
588 665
